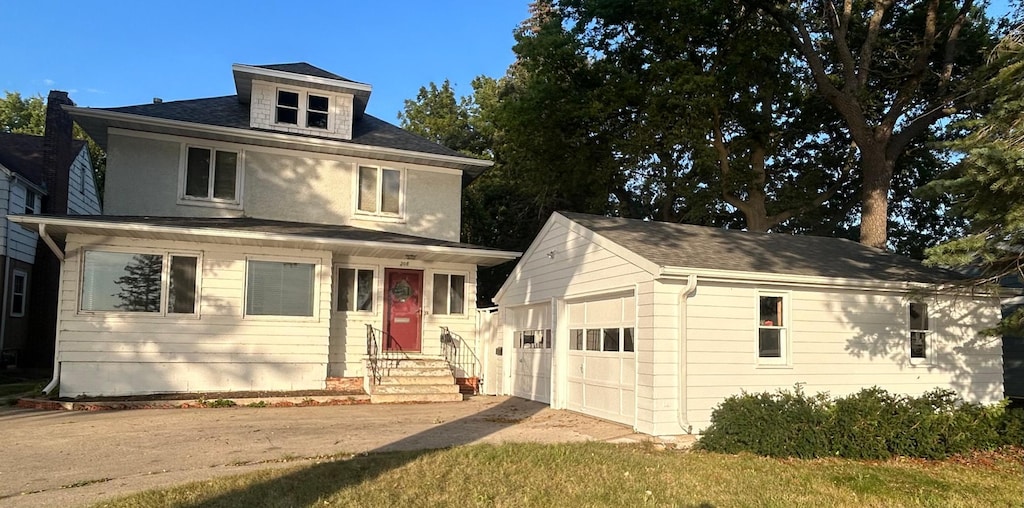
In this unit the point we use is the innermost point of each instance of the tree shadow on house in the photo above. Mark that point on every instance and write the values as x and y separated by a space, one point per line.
307 485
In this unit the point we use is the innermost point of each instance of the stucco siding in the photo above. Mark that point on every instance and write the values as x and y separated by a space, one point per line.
348 329
132 162
840 341
82 198
218 349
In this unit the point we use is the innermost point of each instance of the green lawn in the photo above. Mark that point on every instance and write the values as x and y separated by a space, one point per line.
597 474
18 384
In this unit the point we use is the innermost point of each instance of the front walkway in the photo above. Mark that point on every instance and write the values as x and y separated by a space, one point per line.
71 458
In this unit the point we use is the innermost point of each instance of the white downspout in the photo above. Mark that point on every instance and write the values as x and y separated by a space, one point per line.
60 290
684 295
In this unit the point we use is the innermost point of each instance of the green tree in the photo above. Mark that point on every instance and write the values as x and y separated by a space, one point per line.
892 71
988 183
27 115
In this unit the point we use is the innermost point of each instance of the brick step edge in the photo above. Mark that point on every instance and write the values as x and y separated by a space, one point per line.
58 405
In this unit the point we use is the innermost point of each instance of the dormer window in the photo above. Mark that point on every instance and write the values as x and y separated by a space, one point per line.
311 109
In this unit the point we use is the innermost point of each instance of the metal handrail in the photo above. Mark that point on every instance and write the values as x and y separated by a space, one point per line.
458 353
373 355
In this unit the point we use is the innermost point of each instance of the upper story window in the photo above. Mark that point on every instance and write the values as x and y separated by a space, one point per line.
772 330
919 330
31 202
380 191
211 175
290 110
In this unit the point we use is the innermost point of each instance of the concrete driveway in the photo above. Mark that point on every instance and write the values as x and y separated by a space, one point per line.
61 458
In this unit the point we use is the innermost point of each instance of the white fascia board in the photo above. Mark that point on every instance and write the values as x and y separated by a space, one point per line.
352 85
250 235
273 136
815 281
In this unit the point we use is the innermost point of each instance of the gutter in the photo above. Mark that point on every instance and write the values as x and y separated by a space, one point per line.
684 295
60 290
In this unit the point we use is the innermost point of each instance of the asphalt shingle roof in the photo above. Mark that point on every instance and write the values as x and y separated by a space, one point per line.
227 111
23 154
306 69
687 246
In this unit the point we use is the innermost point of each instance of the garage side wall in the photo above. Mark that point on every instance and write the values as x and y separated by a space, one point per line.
219 349
838 341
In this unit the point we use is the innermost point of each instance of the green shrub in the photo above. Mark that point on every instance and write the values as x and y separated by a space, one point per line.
869 424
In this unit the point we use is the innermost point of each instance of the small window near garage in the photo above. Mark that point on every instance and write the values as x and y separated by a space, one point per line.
19 293
919 329
533 339
31 202
138 282
211 175
449 293
316 111
287 107
379 191
771 329
275 288
355 290
576 339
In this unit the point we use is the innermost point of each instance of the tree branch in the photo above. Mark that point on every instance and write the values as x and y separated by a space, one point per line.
917 71
866 49
840 32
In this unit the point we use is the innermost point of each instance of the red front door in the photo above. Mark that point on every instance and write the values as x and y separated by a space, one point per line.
403 309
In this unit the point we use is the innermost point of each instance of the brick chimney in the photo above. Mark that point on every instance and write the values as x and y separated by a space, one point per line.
57 156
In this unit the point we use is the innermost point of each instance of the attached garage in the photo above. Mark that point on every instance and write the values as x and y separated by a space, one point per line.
653 324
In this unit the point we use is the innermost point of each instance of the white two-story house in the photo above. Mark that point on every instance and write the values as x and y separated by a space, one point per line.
264 240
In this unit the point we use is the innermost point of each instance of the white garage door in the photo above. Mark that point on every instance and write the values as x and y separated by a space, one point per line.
602 368
531 348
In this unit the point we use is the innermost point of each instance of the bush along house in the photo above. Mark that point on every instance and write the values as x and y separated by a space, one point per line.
277 239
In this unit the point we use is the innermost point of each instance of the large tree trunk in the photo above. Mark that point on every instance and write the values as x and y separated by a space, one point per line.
876 171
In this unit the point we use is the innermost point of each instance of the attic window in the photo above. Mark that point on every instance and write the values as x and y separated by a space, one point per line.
31 208
287 107
316 112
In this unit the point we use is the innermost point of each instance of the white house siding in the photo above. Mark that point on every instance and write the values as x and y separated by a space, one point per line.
82 197
348 329
841 340
220 350
21 243
658 342
5 199
279 185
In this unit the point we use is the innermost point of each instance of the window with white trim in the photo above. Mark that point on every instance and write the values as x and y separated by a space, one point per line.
276 288
616 340
380 191
19 293
211 174
533 339
31 202
772 336
919 330
147 282
302 108
355 290
449 293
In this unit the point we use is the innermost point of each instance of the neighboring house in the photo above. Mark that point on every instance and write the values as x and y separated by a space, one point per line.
653 324
38 174
250 241
1013 346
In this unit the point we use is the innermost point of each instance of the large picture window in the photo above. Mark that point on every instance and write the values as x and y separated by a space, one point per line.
139 282
211 175
355 289
449 294
771 329
380 191
275 288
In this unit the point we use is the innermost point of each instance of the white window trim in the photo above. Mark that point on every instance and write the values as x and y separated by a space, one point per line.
303 110
380 216
24 294
34 206
235 204
165 273
465 294
928 337
377 288
318 267
786 331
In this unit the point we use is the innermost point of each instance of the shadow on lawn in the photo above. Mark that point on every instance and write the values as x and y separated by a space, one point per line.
308 484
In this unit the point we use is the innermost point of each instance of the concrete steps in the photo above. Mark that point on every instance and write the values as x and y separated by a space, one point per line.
414 380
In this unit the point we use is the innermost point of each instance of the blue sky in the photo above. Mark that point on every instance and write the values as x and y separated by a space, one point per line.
119 53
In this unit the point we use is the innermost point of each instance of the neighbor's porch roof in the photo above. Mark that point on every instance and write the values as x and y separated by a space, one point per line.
246 231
